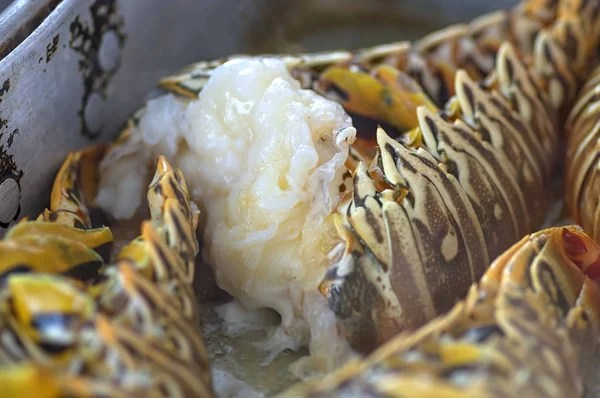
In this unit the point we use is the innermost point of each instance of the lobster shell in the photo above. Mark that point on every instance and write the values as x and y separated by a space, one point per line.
528 328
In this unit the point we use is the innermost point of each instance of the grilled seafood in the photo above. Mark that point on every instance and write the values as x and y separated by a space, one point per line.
267 195
364 189
529 328
582 166
409 208
399 223
129 331
62 239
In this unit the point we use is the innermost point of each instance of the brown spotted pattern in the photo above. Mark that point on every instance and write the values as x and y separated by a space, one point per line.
527 329
582 190
128 330
428 215
460 171
462 167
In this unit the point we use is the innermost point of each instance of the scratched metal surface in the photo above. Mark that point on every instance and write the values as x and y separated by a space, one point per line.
71 71
4 4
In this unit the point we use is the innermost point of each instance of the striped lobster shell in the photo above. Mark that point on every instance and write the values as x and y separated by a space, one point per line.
529 328
424 220
77 327
582 190
472 115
